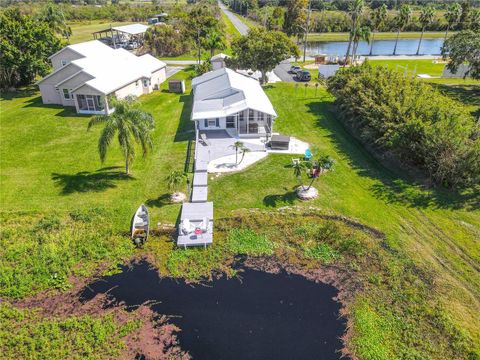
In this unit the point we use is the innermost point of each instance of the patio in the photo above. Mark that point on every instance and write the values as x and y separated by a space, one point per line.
218 155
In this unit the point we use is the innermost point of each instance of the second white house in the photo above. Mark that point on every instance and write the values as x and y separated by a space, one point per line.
86 74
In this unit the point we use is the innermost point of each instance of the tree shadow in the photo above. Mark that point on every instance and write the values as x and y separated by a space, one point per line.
288 198
63 111
467 94
85 181
394 184
159 202
20 93
186 128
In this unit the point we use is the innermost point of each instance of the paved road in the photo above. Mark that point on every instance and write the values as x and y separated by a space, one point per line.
239 25
172 70
282 71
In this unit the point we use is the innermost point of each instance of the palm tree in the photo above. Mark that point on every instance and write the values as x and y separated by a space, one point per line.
324 163
175 179
378 17
427 15
244 150
452 15
130 124
213 41
355 10
53 15
403 18
237 146
363 33
298 168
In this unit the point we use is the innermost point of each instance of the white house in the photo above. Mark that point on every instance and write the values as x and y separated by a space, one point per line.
227 100
86 74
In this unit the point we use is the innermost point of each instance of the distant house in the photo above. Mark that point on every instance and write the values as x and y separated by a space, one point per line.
86 74
227 100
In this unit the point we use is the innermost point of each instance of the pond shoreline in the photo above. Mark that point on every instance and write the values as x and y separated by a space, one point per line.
158 333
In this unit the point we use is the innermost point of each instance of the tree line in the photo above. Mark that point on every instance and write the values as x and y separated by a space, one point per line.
291 15
408 120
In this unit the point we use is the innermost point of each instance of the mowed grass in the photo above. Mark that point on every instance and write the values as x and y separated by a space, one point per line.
49 161
82 31
439 229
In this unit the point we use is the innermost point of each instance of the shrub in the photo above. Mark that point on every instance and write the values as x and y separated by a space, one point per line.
248 242
410 121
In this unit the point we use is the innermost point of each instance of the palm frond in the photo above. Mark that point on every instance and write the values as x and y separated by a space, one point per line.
105 140
97 119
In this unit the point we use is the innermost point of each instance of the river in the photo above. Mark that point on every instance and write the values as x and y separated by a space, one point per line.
380 47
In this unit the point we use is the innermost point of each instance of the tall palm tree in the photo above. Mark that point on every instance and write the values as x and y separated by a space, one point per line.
131 126
298 168
452 15
214 41
355 10
53 15
378 17
403 18
427 14
362 33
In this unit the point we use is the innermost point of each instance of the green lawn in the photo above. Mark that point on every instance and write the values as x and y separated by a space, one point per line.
82 31
50 170
378 36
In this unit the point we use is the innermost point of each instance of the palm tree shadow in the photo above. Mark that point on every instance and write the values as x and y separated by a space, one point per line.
161 201
288 198
86 181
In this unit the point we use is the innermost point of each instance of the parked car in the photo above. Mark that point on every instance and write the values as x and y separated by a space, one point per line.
303 75
132 45
294 69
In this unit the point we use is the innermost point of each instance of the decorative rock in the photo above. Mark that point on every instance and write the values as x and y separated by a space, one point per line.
178 197
304 193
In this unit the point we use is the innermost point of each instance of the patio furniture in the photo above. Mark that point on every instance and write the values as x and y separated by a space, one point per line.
187 227
279 142
308 155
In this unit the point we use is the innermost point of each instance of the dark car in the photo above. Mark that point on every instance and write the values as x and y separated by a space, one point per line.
294 69
303 75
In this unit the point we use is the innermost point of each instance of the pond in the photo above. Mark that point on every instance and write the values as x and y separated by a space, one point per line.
255 316
380 47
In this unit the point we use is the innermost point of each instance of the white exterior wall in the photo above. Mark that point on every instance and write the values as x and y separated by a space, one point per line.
67 55
130 89
49 94
222 122
158 77
218 64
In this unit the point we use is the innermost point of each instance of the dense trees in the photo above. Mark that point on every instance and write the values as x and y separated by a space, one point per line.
166 41
410 121
452 15
464 47
25 45
262 50
295 17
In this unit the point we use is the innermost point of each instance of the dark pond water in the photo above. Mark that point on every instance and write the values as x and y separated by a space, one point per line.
261 316
380 47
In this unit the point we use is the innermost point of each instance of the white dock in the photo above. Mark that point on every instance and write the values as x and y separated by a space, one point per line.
195 213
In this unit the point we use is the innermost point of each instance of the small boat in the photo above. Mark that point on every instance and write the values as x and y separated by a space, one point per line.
140 225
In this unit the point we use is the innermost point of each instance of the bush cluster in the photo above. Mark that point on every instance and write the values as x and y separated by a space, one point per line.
410 120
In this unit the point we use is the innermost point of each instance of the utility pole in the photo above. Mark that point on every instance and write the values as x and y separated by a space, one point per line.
306 30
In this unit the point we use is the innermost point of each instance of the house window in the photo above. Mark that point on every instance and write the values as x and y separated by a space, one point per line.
66 94
63 62
137 82
90 103
230 122
212 123
145 82
251 115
